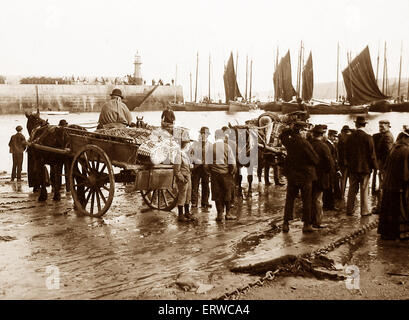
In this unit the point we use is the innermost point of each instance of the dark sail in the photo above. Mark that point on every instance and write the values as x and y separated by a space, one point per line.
230 82
308 80
359 79
283 86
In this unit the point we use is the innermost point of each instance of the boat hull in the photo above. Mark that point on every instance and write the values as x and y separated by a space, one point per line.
325 109
271 106
52 113
199 107
400 107
380 106
235 106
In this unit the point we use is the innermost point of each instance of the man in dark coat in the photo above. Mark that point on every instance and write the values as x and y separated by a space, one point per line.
394 214
361 160
383 142
324 169
342 163
332 191
17 146
299 167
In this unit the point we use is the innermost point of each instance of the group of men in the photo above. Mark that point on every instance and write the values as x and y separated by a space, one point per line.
199 163
319 165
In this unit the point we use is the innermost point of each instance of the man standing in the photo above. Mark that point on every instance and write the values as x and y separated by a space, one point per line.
115 113
383 142
345 133
200 152
332 191
324 170
168 117
221 171
361 160
299 167
17 146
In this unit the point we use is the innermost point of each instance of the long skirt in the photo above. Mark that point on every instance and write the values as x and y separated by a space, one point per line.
394 215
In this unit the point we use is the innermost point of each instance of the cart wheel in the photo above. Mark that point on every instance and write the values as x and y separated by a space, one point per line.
160 199
92 181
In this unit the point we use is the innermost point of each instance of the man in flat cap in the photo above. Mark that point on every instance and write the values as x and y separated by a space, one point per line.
115 113
17 146
299 167
201 154
383 142
361 160
324 171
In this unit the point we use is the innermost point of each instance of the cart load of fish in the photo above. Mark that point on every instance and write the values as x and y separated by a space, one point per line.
155 145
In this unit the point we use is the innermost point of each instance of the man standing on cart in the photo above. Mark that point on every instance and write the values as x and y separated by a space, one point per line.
115 113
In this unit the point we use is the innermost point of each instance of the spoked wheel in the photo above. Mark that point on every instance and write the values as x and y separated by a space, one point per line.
92 181
160 199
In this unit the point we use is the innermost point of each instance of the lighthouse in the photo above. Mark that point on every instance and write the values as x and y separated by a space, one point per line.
137 73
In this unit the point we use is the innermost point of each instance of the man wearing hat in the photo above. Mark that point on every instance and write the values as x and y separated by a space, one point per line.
393 216
168 116
17 146
324 171
222 170
383 142
333 190
299 168
361 160
115 113
342 138
201 153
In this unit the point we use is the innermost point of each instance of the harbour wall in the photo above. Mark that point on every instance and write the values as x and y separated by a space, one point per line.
81 98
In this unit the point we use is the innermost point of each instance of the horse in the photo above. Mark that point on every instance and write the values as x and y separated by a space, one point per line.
140 123
42 133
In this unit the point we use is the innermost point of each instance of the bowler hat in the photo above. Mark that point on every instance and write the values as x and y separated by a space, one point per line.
117 92
204 130
318 129
63 123
332 132
19 128
360 120
300 124
345 128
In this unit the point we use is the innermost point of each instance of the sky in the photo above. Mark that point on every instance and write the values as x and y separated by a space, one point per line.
100 38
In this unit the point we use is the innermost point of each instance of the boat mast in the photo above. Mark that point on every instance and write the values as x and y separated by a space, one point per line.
251 78
384 70
197 69
235 85
209 76
298 73
377 65
247 69
350 75
400 68
190 76
176 76
275 93
337 70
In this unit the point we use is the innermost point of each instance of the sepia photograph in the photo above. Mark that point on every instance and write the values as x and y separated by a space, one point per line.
204 155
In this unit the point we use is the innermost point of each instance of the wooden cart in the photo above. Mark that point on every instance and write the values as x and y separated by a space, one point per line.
92 178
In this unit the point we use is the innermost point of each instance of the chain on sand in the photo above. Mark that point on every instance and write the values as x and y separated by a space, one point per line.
270 275
2 204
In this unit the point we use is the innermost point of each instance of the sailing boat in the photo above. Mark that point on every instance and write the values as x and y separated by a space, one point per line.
360 82
206 105
400 105
232 90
